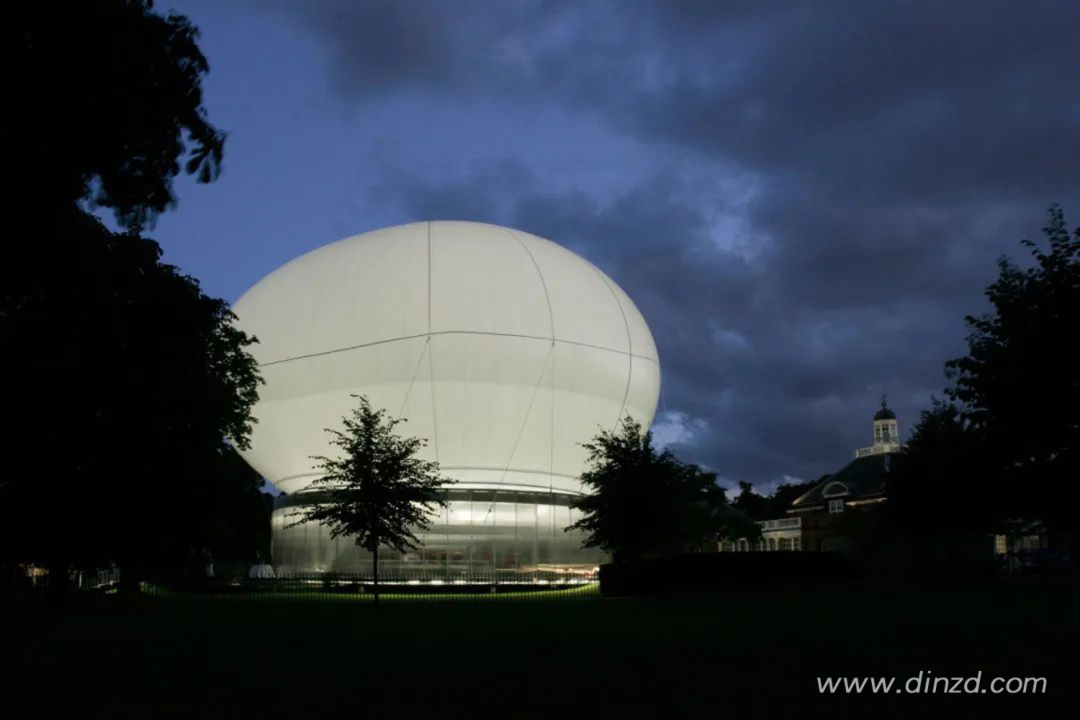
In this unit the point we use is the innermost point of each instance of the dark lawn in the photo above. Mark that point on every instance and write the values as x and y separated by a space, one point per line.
741 654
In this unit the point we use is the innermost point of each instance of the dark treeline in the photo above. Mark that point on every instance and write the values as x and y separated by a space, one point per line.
1002 451
776 505
647 503
126 386
1000 456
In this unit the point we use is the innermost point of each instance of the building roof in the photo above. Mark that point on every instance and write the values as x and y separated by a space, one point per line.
884 413
861 479
458 327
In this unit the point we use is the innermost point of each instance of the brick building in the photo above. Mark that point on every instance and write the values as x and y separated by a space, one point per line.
810 521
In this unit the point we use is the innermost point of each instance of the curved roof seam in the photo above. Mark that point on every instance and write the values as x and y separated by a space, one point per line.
629 343
431 383
429 280
416 373
528 411
492 468
543 283
458 332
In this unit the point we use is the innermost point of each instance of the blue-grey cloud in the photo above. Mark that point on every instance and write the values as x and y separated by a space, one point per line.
889 152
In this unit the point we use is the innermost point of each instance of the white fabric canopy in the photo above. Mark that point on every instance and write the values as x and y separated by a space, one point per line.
504 350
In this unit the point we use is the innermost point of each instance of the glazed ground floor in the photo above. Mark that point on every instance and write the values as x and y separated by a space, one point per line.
480 531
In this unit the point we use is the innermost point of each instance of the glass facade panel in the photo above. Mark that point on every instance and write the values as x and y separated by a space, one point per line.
481 532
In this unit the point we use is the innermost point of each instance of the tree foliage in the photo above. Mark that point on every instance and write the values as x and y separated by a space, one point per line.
1007 446
645 503
380 492
104 104
128 384
776 505
940 484
1019 384
233 523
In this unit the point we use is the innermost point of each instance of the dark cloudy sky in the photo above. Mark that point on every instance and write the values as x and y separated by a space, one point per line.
803 198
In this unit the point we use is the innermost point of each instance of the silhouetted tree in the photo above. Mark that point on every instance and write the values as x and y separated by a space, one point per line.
787 493
124 379
755 506
1019 385
1007 446
103 103
235 525
940 484
646 503
128 379
734 524
776 505
380 493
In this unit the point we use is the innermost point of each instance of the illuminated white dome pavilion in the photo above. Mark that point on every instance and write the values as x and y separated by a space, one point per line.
503 349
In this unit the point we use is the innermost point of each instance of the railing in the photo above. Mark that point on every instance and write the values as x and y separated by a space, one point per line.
781 523
391 586
877 450
263 583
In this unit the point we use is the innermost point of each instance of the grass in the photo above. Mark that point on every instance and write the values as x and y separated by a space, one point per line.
741 653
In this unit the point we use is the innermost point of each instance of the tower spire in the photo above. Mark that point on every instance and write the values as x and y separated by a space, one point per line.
886 432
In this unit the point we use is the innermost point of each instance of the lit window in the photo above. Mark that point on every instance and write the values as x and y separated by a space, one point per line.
796 543
836 506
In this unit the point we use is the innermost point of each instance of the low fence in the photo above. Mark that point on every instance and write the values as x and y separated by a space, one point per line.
262 582
394 587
